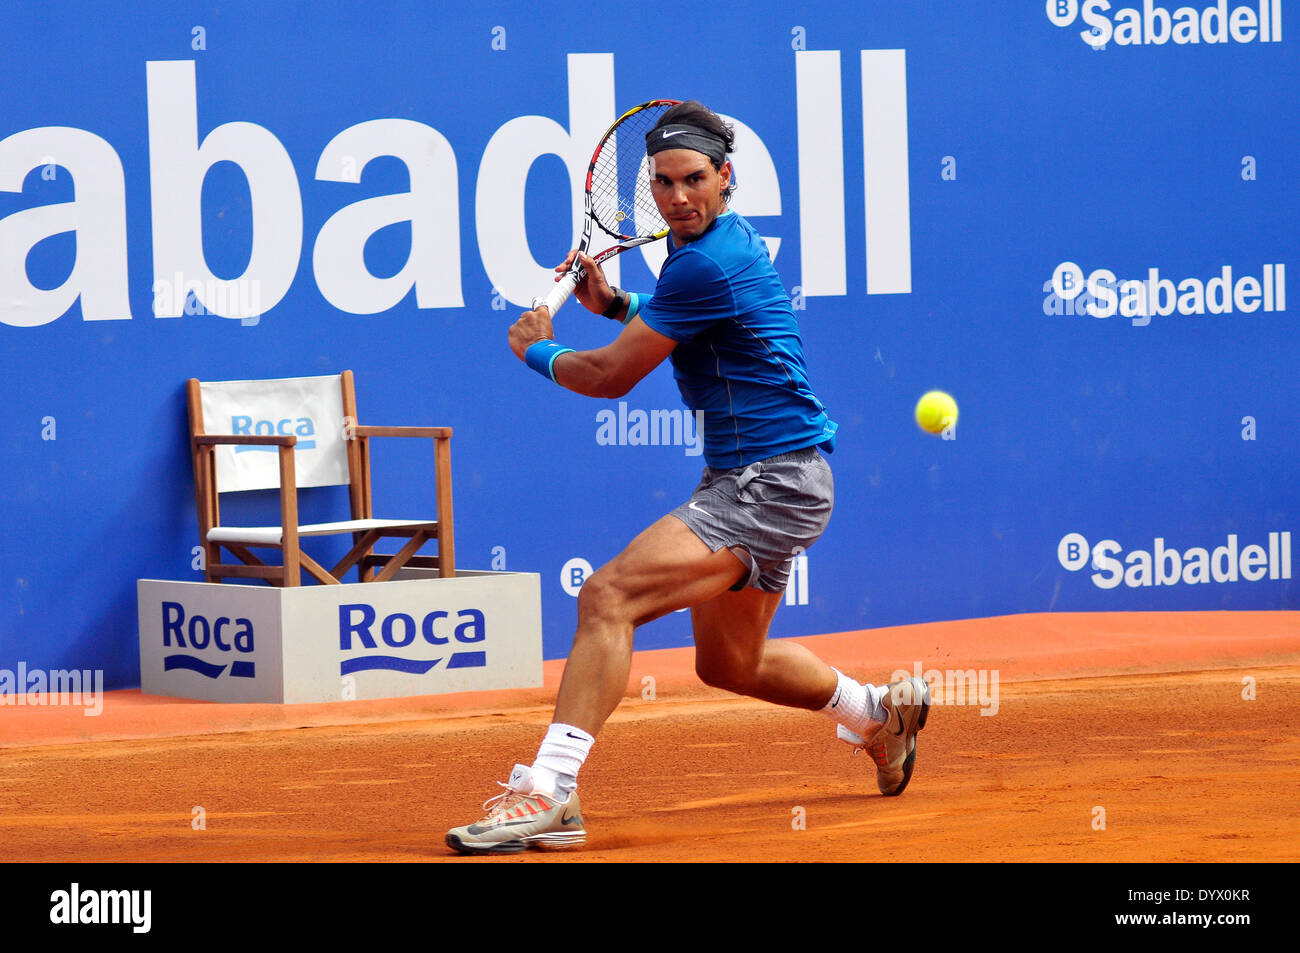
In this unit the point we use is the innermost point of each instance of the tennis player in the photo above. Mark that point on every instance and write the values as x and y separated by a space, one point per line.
721 315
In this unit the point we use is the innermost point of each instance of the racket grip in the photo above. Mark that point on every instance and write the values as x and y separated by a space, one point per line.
561 292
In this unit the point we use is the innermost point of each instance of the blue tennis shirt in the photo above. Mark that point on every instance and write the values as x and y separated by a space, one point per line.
739 356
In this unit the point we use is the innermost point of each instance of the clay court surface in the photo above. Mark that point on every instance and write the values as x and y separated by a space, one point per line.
1140 716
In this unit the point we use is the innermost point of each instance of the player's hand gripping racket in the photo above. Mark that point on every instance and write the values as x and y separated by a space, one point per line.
618 197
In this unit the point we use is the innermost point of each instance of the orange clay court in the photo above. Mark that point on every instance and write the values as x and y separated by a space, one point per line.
1146 717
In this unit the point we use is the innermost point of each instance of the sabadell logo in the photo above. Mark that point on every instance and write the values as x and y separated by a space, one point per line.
1151 24
1163 565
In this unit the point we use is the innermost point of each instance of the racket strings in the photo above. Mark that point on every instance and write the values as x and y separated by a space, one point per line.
621 200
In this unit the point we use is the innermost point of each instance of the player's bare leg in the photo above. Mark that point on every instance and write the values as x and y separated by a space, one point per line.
667 567
732 651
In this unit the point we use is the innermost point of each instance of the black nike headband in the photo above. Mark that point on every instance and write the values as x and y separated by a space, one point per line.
683 136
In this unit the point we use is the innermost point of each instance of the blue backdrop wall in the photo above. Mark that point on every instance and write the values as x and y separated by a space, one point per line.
1077 218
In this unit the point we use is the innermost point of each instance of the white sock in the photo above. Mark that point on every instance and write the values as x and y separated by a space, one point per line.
561 754
856 706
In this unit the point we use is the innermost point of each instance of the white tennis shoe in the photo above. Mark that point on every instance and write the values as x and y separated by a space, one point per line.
893 745
521 817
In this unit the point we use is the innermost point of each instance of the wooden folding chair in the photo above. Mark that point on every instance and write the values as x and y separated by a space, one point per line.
310 425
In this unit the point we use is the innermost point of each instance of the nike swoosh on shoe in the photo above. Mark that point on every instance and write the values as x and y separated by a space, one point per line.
475 829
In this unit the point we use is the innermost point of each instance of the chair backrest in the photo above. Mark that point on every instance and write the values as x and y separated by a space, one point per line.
310 408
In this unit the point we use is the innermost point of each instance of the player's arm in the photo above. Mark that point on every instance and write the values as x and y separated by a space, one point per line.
613 370
609 371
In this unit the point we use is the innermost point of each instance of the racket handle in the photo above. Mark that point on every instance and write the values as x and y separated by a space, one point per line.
561 292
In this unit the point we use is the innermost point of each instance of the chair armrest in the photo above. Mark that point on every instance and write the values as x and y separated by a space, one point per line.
438 433
245 440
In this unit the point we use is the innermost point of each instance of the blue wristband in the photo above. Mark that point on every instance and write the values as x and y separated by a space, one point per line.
634 305
541 356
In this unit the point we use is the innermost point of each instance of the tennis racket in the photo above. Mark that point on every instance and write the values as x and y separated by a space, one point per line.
618 196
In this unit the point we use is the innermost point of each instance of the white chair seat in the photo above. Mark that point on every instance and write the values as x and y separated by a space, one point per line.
274 535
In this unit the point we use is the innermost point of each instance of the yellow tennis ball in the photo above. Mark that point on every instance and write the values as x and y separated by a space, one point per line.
936 412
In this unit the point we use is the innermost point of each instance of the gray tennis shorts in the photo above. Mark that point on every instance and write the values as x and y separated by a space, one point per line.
765 513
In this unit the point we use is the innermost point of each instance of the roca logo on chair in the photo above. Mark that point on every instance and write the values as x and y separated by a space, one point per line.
302 428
